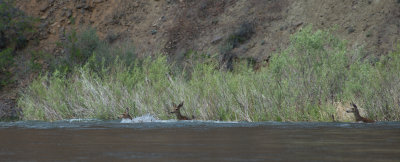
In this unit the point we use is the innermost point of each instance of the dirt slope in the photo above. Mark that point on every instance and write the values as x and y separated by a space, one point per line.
175 27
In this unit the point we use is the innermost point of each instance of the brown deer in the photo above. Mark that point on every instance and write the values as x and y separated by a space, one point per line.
177 112
357 115
126 115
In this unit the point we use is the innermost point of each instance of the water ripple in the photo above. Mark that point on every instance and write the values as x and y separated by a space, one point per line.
149 121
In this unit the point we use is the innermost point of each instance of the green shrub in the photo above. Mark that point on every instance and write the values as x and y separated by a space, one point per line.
15 26
6 60
79 47
378 87
85 46
311 72
15 29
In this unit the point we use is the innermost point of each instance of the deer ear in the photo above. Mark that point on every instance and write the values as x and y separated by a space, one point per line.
173 104
181 104
354 105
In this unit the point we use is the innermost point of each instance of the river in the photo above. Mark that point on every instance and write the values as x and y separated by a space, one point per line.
170 140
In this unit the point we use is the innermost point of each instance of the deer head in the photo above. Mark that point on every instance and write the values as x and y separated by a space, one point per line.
177 109
354 109
126 115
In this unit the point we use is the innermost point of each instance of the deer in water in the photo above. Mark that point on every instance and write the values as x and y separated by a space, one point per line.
177 112
357 115
126 115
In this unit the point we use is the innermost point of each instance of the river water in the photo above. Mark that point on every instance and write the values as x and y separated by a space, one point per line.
170 140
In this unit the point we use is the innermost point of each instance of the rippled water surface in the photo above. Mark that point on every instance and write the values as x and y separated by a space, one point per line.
158 140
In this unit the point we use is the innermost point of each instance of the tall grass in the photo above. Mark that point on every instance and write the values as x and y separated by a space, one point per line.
302 83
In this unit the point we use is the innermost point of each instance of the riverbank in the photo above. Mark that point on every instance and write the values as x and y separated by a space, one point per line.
316 77
236 38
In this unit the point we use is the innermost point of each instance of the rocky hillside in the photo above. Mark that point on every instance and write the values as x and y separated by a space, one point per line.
253 29
176 26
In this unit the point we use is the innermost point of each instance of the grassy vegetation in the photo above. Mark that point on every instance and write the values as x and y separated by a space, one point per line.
302 83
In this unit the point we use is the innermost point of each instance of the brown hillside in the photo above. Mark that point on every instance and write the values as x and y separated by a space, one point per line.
174 27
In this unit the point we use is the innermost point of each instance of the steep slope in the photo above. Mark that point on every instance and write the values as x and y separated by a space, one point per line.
175 27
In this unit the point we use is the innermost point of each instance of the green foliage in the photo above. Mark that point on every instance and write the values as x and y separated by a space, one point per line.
14 26
378 87
6 60
80 46
302 83
36 61
311 72
85 46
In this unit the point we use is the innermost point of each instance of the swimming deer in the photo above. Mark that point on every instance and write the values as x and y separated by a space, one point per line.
357 115
126 115
177 112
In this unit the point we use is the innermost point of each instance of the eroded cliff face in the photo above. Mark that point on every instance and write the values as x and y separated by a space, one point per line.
174 27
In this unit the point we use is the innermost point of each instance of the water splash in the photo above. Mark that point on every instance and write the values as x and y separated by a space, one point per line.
142 119
223 122
80 120
148 118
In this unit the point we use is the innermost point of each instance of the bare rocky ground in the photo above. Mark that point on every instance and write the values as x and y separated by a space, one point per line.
175 27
